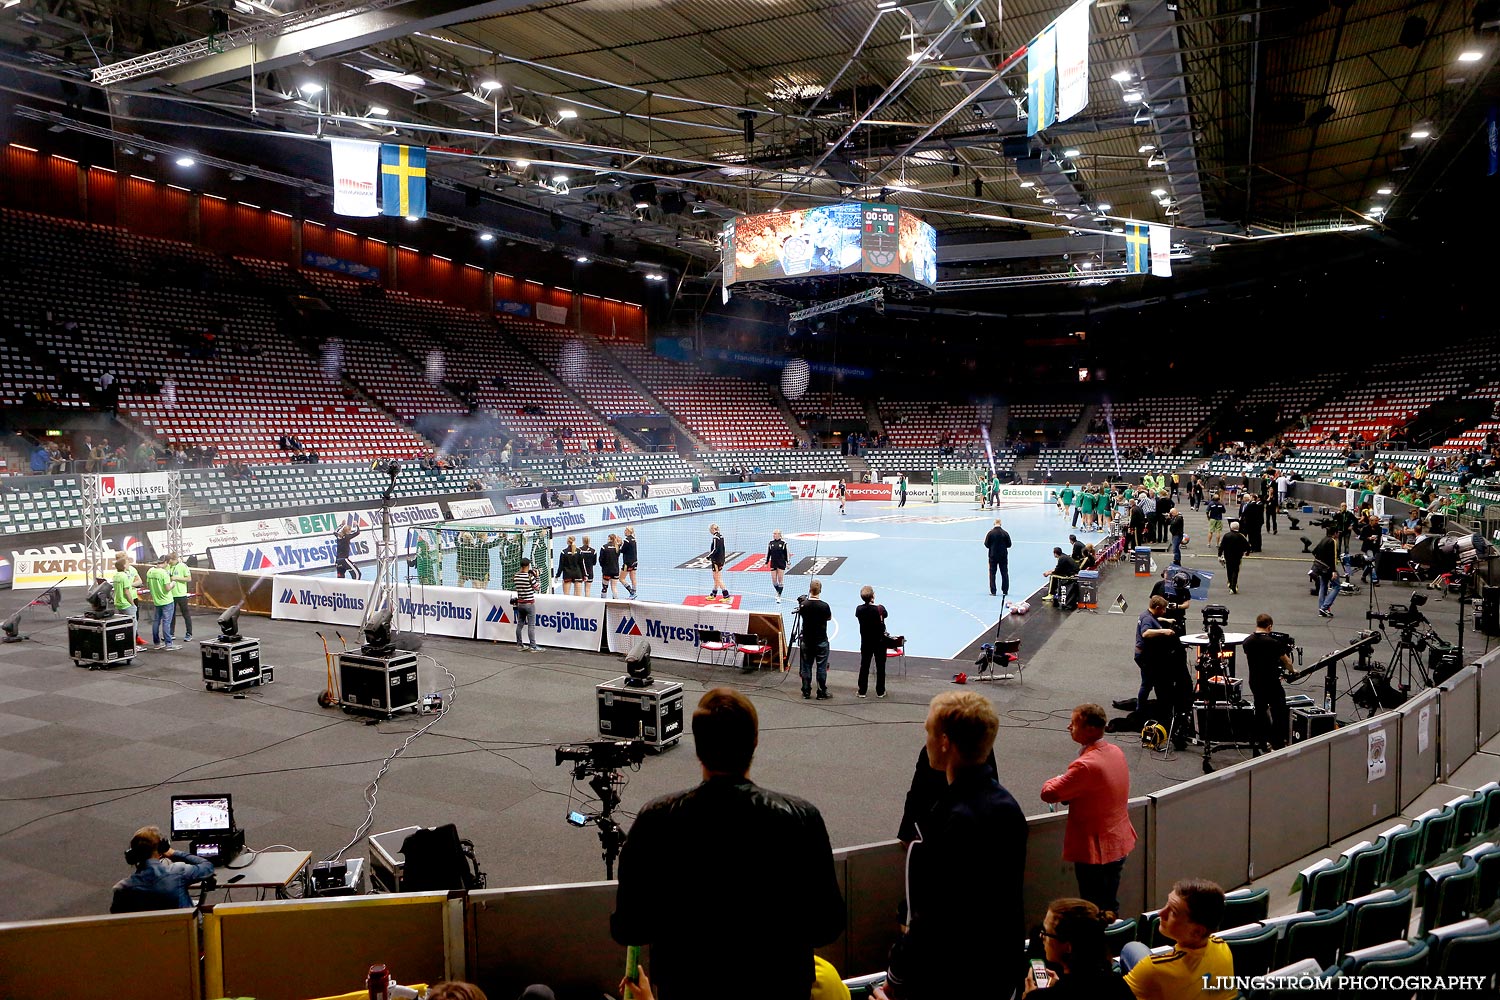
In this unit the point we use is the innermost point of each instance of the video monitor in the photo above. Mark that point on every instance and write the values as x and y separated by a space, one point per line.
198 817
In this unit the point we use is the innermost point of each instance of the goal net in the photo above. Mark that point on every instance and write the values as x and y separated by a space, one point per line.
484 556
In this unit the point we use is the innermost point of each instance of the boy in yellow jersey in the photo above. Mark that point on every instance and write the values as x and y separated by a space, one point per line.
1192 969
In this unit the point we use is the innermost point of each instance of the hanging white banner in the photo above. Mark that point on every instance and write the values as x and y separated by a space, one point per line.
1161 251
1073 60
356 166
552 314
567 622
672 629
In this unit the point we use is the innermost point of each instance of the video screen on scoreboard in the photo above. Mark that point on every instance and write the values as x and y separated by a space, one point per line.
859 237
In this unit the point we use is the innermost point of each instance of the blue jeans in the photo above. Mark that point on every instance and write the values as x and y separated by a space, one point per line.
1177 550
526 615
817 651
161 625
1328 592
1132 953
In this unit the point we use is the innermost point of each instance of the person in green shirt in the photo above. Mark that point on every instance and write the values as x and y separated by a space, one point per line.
125 582
425 562
1065 498
1086 507
181 577
159 581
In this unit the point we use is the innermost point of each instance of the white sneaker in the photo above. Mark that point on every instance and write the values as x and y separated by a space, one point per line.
155 646
169 646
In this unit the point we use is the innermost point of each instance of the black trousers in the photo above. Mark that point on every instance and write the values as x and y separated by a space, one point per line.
184 615
1004 567
1271 510
1100 884
1272 717
1232 569
867 653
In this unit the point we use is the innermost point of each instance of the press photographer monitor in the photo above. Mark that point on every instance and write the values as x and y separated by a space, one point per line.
202 817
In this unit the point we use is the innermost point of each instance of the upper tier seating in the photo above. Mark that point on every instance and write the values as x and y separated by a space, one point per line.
581 367
723 412
627 469
145 310
819 463
20 377
466 346
912 424
1158 422
834 406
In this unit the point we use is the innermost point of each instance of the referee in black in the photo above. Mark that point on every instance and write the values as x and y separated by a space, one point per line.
998 544
776 558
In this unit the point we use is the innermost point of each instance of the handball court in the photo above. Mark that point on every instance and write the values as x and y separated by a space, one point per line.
86 757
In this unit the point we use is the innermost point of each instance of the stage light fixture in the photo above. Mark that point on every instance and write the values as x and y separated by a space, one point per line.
1131 97
413 218
486 237
1156 160
488 85
185 161
1028 184
1384 190
1470 55
1103 206
310 87
1071 153
1124 76
1123 14
567 113
559 179
522 164
1146 147
581 259
376 110
1421 132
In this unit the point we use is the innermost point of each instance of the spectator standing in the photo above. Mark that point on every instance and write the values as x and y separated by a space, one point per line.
816 614
871 618
1198 957
1324 574
628 558
1096 789
1176 529
997 544
525 582
181 577
160 585
1215 511
965 869
1252 520
785 901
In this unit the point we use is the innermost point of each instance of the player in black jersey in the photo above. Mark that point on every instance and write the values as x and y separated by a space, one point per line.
716 563
776 558
628 559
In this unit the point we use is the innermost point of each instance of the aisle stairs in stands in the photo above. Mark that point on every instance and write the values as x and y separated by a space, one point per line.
802 437
1081 429
1024 469
525 351
872 414
858 467
684 435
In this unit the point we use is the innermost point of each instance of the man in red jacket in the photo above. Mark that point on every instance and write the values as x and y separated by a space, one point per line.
1096 788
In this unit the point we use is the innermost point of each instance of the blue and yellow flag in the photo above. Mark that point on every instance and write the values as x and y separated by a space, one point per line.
1137 247
403 180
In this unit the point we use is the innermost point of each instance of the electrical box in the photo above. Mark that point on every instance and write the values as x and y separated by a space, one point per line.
100 643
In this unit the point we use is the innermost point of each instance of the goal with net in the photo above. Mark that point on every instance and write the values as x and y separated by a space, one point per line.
484 556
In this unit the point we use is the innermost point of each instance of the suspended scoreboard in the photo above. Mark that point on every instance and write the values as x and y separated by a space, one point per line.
857 238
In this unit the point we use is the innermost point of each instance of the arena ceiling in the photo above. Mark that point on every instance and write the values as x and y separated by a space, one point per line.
1229 119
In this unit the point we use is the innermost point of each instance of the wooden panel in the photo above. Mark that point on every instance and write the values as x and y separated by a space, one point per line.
39 183
104 196
149 956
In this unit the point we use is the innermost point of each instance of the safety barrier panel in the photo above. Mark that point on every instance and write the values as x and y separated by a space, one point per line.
1231 826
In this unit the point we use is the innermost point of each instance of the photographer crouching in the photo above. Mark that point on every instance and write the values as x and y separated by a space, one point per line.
161 875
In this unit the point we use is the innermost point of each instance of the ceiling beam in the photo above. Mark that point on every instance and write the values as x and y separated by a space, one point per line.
331 38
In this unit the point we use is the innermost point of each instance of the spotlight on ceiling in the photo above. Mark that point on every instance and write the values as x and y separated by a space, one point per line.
1028 184
1124 76
185 161
1158 192
1103 206
1470 55
976 111
643 195
1131 97
1156 160
1123 14
1146 147
1070 153
522 164
566 113
377 110
1384 190
413 218
581 259
488 85
310 87
486 237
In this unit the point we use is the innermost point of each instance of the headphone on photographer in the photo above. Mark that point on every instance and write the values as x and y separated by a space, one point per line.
139 853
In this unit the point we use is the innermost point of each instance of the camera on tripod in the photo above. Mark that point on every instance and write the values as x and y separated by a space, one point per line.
602 755
1402 616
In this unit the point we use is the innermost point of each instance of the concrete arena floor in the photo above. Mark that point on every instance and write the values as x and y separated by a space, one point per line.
87 757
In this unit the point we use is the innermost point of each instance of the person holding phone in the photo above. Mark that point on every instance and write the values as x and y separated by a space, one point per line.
1077 960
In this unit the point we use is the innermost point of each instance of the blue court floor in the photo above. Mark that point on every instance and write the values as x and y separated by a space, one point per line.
926 561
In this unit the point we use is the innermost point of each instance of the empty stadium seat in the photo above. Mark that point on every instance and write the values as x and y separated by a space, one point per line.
1379 916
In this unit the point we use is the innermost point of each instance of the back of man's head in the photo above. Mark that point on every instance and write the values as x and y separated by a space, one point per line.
815 588
969 721
726 730
1157 604
1204 900
1263 620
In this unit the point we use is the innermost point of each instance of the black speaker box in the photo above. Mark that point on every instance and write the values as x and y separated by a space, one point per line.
1221 723
1015 147
1489 611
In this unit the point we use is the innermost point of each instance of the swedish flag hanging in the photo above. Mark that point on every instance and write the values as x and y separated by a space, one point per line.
403 180
1137 247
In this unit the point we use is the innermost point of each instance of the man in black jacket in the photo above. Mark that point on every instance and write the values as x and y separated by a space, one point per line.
1252 520
1063 575
871 618
966 868
816 614
769 908
997 543
1232 550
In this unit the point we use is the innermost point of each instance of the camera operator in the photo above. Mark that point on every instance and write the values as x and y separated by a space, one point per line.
159 871
525 583
816 615
1155 640
1268 656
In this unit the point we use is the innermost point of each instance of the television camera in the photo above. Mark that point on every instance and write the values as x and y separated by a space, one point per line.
599 762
